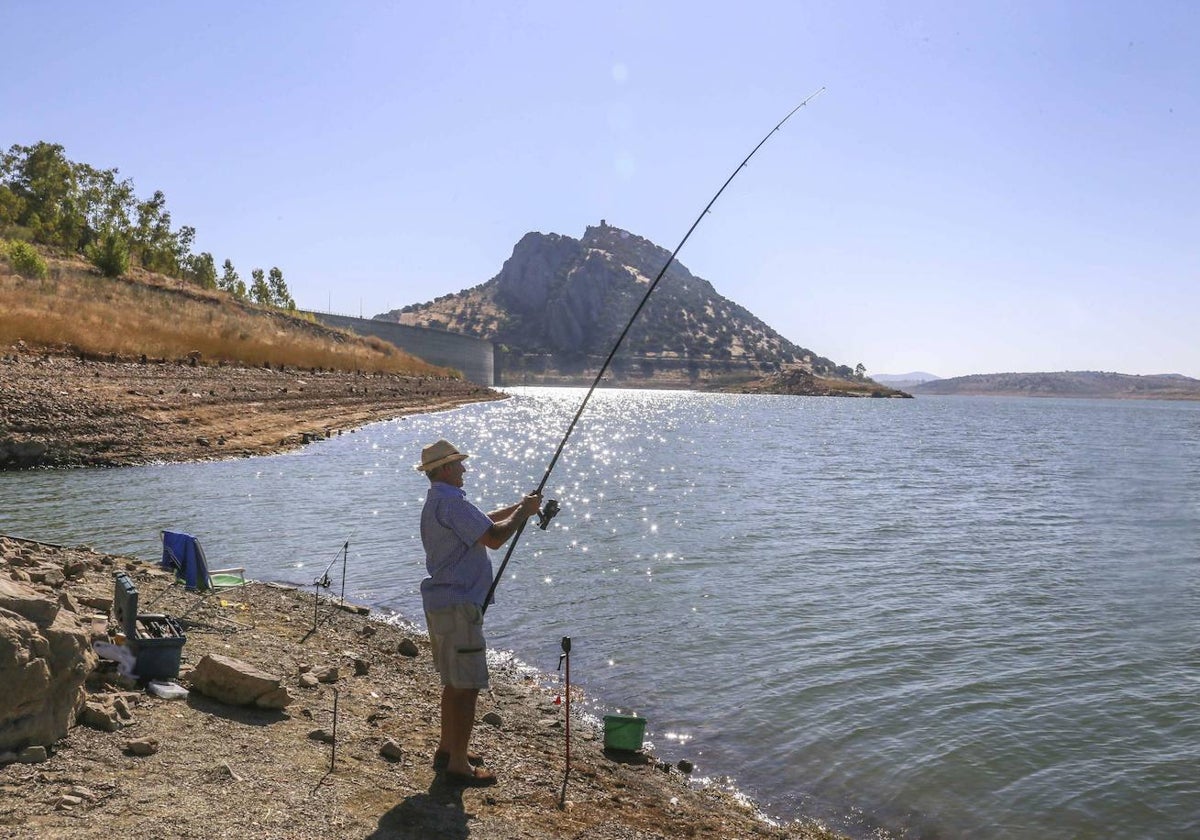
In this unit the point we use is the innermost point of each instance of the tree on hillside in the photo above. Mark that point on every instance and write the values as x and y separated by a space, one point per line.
860 371
61 203
44 184
279 291
204 271
10 206
260 292
105 202
151 237
231 282
181 249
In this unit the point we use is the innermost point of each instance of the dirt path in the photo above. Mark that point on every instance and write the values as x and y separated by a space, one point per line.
67 411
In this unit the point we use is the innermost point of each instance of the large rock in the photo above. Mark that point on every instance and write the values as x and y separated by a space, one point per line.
45 657
27 602
20 454
238 683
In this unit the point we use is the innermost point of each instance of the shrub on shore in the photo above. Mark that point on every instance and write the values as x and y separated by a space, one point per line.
110 254
25 260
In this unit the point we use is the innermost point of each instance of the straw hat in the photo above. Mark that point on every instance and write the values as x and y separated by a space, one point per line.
436 454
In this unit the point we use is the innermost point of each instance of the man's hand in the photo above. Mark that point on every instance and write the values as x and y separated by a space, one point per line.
530 505
506 522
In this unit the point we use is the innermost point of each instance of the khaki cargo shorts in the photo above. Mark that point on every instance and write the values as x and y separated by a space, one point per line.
459 649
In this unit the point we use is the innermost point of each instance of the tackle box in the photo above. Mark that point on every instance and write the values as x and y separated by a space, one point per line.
156 640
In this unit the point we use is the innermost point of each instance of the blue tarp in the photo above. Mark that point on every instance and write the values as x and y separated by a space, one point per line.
181 555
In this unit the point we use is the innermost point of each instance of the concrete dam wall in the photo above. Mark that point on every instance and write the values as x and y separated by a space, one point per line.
473 356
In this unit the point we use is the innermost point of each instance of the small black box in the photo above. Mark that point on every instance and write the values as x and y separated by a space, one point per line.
156 640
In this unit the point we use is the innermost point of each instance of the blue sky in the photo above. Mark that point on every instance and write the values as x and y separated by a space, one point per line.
983 187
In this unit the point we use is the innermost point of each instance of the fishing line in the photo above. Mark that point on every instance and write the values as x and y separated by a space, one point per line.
551 508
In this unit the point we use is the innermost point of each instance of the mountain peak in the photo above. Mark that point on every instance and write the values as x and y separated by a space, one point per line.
558 304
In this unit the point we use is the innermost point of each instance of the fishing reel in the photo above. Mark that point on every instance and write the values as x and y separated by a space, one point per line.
548 512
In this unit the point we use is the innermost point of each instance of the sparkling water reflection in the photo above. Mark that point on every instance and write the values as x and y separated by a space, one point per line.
950 617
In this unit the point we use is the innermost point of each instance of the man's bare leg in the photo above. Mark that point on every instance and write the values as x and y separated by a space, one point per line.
458 721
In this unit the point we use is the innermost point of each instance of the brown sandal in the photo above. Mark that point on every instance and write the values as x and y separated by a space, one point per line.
476 778
441 759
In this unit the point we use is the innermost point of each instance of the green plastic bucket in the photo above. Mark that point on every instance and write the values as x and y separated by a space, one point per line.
623 732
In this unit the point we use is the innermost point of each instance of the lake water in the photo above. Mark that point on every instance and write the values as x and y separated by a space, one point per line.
949 617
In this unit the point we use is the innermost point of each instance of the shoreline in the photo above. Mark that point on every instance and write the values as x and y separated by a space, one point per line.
262 774
126 412
68 411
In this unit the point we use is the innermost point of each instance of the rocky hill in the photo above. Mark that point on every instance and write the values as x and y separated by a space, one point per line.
559 303
1094 384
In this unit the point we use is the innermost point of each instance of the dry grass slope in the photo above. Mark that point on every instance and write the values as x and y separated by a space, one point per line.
75 309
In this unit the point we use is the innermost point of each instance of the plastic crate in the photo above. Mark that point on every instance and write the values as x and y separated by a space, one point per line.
158 646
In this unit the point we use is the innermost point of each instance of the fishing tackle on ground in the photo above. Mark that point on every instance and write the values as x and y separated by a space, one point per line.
604 367
324 582
565 656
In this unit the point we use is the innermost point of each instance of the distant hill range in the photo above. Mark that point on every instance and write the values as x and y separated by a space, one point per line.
558 305
1095 384
904 381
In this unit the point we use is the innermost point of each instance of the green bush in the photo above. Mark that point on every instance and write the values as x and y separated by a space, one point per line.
25 260
110 254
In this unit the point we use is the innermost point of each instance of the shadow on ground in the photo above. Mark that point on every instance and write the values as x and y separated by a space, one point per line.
438 813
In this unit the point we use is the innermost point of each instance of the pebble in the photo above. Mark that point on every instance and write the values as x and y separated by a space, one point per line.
223 770
391 750
142 746
32 755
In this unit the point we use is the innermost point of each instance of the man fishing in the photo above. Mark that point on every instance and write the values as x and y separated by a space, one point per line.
456 536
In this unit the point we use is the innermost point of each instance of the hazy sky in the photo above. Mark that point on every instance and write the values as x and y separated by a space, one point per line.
983 187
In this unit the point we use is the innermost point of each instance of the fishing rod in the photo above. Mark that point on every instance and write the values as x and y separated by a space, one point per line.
324 581
551 507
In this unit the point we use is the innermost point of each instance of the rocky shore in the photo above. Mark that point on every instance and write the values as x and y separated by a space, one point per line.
349 754
802 383
64 410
